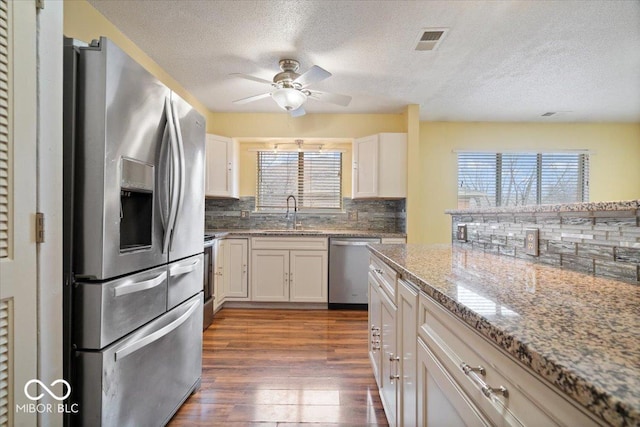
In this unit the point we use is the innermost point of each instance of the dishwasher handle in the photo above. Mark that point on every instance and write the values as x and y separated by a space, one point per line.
351 243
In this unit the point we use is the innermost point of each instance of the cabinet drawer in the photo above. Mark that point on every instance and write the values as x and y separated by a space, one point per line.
386 277
303 243
528 401
105 312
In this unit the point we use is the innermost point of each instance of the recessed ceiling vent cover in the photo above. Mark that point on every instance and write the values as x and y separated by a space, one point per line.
430 38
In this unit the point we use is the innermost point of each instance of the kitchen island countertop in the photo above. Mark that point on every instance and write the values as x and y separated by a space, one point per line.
579 332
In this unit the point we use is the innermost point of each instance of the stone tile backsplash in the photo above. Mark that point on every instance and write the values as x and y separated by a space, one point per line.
602 243
376 215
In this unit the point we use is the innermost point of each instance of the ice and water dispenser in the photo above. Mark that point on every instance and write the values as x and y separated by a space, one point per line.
136 205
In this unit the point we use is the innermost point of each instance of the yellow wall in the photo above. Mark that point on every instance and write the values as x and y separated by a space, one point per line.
614 171
83 22
312 125
281 125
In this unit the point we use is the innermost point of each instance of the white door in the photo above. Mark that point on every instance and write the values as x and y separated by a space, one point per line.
389 369
219 274
218 173
441 401
308 276
18 118
375 327
407 339
269 275
235 278
365 167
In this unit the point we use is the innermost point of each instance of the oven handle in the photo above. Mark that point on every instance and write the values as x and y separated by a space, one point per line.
129 288
155 336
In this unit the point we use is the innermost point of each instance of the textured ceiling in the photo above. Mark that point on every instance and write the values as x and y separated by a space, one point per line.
499 61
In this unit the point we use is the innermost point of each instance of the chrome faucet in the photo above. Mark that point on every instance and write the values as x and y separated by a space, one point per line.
295 211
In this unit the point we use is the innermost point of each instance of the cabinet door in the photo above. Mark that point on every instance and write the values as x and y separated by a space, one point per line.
269 275
365 167
308 276
235 268
441 401
392 165
218 275
375 327
390 372
219 170
407 335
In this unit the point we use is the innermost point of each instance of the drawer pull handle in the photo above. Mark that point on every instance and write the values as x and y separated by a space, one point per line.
375 328
473 371
466 368
488 391
380 272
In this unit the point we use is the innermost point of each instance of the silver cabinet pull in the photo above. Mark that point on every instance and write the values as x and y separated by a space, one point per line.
487 390
396 376
176 270
129 288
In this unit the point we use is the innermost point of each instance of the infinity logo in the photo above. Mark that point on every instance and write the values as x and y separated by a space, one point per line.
47 389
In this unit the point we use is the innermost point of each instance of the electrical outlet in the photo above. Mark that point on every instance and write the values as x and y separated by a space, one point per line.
531 242
244 214
353 215
461 233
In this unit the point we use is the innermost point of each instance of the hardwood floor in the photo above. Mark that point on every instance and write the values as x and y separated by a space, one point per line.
285 368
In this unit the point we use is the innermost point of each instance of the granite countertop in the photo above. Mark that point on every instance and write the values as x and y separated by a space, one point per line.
303 232
623 205
580 332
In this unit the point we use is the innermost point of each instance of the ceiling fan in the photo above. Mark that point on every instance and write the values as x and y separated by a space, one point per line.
290 89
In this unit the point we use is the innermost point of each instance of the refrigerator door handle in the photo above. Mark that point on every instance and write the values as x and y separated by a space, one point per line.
163 187
132 287
173 193
181 162
155 336
177 270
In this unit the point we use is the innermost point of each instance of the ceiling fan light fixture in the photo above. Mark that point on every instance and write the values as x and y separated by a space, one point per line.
288 99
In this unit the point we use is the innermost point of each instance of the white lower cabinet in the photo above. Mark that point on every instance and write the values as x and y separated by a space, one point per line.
407 325
389 373
434 370
308 276
218 274
289 269
440 400
375 327
235 269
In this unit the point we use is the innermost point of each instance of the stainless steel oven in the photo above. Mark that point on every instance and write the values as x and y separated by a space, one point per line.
209 268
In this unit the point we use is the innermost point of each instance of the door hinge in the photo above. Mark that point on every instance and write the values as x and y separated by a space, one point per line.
39 227
40 4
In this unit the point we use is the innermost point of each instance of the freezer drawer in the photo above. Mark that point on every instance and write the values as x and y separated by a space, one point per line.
186 278
144 378
107 311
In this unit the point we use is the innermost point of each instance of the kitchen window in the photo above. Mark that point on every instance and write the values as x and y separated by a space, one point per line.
314 178
514 179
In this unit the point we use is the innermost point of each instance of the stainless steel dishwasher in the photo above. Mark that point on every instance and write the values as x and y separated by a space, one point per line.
348 269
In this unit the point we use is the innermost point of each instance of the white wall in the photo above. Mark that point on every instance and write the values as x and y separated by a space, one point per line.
49 199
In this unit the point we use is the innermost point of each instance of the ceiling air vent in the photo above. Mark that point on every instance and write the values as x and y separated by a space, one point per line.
430 38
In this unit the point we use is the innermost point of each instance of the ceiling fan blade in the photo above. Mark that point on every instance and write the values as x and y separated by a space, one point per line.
252 98
298 112
313 75
254 78
333 98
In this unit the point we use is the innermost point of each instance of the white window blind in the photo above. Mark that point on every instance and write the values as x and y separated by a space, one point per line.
515 179
5 194
314 178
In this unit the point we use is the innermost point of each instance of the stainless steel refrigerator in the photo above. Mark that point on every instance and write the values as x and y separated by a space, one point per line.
133 224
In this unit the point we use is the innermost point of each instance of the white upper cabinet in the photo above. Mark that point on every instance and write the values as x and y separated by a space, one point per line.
380 166
222 174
